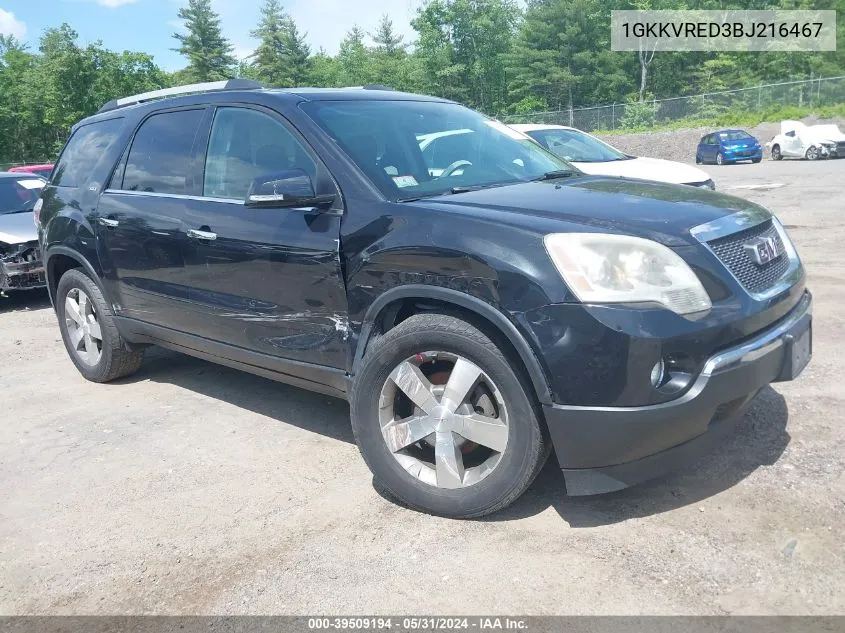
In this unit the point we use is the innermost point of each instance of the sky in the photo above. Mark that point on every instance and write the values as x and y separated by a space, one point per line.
148 25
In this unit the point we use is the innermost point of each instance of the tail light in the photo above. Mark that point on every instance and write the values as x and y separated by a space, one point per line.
36 211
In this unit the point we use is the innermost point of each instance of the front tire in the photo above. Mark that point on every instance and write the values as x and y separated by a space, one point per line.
444 423
89 331
720 160
776 153
813 153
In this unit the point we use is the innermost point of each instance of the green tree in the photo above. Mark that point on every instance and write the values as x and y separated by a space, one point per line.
43 94
389 57
387 40
282 58
562 55
295 54
267 60
462 46
209 53
354 59
325 70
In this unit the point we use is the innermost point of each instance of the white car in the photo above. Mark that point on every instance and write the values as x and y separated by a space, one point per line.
20 259
797 140
595 157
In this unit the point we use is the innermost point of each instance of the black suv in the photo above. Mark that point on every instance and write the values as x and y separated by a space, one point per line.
475 298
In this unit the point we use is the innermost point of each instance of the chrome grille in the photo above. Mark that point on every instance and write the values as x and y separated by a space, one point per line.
731 251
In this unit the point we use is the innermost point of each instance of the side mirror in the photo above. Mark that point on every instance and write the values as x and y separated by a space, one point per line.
291 188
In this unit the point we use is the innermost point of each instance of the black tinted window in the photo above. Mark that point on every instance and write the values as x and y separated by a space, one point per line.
246 144
84 149
160 158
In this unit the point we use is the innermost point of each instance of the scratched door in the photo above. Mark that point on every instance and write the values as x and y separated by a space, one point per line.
265 279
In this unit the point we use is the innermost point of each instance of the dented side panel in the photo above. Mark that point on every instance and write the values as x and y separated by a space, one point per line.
270 282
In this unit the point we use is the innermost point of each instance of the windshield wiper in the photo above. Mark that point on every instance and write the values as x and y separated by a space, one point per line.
456 190
557 173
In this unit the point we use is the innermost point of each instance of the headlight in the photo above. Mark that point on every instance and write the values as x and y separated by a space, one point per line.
603 268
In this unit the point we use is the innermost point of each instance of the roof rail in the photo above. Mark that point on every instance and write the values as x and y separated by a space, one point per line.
369 87
208 86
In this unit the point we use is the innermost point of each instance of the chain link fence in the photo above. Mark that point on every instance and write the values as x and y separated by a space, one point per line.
824 91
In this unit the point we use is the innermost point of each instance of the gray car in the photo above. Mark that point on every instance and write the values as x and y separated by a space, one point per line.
20 260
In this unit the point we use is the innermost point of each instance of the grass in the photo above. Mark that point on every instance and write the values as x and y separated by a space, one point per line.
735 119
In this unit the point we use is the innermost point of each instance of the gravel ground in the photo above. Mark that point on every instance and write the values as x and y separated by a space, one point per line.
681 144
194 489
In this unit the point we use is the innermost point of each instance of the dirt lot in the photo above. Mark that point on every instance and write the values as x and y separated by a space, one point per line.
192 488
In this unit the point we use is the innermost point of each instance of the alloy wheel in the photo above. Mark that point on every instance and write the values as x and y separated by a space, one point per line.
443 419
83 327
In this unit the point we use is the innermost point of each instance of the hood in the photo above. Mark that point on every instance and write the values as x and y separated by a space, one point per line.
822 133
660 212
16 228
647 169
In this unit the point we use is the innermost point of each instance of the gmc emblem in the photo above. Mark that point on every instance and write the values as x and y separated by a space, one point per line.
763 250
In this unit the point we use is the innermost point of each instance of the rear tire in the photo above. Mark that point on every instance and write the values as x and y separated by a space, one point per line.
414 467
720 160
89 331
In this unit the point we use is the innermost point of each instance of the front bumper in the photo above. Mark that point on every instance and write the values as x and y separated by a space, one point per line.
21 269
603 449
743 154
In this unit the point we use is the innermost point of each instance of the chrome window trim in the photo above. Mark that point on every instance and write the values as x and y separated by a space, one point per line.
175 196
741 221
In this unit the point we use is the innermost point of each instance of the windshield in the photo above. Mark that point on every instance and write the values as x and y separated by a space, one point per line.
737 135
412 149
19 194
577 146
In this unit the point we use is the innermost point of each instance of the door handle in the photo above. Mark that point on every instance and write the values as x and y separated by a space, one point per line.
202 235
109 222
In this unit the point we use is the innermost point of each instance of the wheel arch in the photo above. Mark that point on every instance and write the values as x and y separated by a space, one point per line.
387 305
58 260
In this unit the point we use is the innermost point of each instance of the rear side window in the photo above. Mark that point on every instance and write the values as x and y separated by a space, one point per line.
84 149
160 160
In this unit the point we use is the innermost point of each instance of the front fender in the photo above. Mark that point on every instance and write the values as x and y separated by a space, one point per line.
473 304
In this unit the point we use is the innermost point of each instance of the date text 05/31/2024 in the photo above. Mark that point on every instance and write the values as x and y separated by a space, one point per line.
430 623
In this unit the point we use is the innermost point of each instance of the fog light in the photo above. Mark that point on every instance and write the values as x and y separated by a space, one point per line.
657 373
